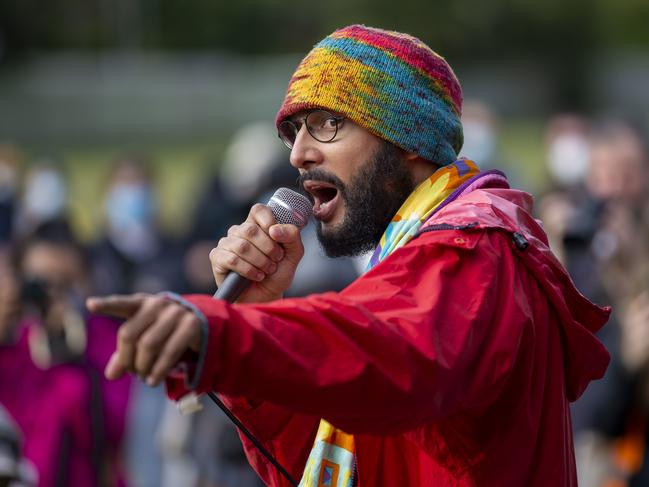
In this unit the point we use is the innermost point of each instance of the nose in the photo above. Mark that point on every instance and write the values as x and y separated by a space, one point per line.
305 152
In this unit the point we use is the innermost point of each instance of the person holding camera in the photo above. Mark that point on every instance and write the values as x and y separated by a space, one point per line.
51 356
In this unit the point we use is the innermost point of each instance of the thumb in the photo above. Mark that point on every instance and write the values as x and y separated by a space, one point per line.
289 236
116 305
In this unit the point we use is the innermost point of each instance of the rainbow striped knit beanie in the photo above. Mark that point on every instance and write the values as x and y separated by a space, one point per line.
391 84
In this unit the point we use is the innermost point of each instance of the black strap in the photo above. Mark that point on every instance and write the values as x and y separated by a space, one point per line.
251 437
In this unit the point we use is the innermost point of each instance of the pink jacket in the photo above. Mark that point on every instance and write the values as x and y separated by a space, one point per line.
452 361
71 417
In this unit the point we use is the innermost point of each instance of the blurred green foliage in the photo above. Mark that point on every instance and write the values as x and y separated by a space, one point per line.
455 27
563 34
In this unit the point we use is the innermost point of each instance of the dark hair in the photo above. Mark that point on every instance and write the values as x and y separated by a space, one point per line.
56 232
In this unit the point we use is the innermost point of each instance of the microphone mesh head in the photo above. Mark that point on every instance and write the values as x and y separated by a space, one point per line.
291 207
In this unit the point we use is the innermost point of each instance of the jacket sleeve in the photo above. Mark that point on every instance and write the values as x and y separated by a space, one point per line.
432 330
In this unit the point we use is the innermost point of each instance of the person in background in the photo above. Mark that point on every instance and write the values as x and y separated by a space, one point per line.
480 134
51 358
132 251
222 201
596 217
567 144
482 140
44 196
618 184
567 154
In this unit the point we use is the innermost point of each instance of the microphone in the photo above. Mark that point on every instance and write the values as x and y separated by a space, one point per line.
287 206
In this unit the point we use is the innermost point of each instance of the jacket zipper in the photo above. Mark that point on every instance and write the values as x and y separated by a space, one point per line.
519 240
447 226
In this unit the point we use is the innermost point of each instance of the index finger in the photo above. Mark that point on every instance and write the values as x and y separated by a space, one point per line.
118 306
262 215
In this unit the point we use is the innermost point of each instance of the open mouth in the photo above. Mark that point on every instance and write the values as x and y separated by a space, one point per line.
324 196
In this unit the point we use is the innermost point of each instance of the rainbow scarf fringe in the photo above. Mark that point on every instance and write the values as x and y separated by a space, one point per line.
331 462
423 201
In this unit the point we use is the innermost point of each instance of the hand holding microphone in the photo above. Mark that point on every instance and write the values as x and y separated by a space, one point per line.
256 261
157 331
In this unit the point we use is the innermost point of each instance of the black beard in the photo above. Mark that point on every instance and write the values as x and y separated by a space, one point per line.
372 197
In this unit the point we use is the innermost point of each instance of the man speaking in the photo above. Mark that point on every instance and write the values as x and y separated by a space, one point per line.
451 361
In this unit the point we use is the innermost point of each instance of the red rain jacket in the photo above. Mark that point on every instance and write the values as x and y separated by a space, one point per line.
452 361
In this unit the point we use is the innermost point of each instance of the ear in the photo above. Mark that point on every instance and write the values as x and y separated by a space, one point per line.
419 168
409 156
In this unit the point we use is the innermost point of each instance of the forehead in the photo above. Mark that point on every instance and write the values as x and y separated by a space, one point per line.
51 260
618 151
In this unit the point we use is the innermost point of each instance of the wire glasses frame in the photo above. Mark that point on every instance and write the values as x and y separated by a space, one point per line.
322 126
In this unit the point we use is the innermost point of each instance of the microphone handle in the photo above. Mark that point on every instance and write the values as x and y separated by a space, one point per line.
229 290
231 287
287 207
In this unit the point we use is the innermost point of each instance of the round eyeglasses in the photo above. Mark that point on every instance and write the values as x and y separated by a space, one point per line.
321 125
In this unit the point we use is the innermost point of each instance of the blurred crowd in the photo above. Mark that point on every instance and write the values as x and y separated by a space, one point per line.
63 424
595 211
597 219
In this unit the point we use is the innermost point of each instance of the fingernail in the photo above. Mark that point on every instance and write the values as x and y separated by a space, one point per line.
278 254
150 381
272 268
260 276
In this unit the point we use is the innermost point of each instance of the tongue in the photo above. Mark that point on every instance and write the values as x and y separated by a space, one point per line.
324 209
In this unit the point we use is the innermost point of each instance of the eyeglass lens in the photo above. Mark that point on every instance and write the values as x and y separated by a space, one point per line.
321 124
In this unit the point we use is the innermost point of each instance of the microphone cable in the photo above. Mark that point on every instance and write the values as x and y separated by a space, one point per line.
287 206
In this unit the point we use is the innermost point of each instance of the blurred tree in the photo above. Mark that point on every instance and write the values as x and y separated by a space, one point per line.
563 35
459 27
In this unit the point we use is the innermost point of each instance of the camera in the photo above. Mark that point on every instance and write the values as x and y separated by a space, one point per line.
33 293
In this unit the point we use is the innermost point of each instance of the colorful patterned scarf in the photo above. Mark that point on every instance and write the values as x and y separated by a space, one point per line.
332 459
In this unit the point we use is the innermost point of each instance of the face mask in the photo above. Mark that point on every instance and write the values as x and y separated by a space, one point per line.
568 158
45 195
479 143
129 206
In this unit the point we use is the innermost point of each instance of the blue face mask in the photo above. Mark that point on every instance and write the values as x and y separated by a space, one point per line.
130 205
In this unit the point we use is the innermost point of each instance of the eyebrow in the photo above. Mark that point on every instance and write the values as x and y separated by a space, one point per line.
297 116
300 116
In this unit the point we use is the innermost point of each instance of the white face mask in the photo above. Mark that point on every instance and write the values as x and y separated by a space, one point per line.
45 195
130 210
479 143
568 159
130 205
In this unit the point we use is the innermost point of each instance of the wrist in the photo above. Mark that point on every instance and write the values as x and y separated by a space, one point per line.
199 344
